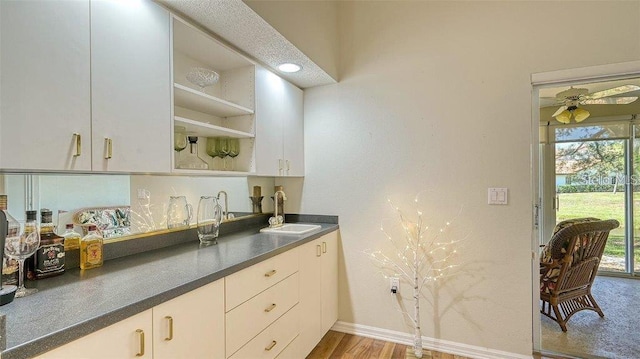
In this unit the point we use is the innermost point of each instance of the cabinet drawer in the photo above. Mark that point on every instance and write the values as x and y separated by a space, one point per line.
292 351
248 282
273 340
252 316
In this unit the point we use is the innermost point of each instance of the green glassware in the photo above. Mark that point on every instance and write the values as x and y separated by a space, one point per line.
234 150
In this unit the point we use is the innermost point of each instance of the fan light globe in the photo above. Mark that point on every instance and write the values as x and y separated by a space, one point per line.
580 114
564 116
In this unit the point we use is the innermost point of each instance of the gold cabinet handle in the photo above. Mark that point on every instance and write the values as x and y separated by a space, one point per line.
318 250
270 308
140 333
270 346
109 145
170 323
78 140
324 247
270 273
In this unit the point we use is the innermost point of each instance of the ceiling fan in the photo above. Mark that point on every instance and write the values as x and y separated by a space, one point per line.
571 100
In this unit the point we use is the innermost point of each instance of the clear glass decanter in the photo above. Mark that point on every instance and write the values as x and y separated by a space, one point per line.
191 160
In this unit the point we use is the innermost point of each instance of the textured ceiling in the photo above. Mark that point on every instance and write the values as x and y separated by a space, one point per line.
237 24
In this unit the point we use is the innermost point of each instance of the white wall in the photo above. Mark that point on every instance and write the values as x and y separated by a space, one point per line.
437 96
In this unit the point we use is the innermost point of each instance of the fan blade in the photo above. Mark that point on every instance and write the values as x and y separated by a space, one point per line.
609 101
613 91
562 108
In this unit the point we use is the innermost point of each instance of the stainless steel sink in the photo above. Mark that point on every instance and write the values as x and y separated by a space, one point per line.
292 228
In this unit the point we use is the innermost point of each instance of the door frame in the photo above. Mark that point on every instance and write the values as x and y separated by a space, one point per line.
567 77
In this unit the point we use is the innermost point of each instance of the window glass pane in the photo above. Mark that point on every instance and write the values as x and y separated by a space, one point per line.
593 132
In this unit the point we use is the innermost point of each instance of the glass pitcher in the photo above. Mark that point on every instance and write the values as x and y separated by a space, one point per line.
209 218
179 212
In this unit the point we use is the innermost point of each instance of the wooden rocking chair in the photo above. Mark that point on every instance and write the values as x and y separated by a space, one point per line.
569 266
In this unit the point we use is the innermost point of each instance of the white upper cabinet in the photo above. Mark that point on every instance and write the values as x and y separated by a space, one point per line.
85 86
45 85
131 86
293 131
279 126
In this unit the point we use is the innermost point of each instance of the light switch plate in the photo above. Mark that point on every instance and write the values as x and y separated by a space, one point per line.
498 196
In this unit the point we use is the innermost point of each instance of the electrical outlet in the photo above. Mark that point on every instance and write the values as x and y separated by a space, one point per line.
394 283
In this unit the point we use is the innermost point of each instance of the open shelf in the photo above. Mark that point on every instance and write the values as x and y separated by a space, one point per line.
211 173
201 102
202 129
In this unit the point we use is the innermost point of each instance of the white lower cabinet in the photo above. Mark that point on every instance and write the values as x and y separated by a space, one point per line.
318 290
189 326
262 308
278 308
129 338
271 341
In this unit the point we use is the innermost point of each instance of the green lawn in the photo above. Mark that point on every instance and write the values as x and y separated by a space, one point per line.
604 206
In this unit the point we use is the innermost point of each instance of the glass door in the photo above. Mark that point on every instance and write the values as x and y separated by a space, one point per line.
591 174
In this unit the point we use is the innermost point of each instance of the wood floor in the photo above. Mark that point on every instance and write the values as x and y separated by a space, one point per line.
336 345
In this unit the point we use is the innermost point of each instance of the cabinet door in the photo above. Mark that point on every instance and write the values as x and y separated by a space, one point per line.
293 128
44 92
270 89
191 325
130 338
131 86
329 281
310 274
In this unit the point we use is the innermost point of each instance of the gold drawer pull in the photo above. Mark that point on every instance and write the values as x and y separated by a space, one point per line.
140 333
270 308
78 140
273 344
318 250
324 247
170 322
109 145
270 273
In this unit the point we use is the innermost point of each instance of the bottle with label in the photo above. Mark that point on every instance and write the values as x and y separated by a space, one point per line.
71 238
49 260
91 249
9 266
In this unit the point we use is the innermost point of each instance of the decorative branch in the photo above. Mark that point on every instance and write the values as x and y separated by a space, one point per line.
424 256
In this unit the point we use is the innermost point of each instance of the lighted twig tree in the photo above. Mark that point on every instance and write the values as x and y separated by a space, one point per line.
424 256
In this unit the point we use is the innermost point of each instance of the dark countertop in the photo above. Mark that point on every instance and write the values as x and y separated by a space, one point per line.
77 303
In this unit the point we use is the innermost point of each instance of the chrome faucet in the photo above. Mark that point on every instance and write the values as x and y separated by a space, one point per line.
225 211
277 220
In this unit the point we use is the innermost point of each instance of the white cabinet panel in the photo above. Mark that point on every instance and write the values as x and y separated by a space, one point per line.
279 126
129 338
250 318
131 86
329 281
310 296
269 133
318 290
191 325
242 285
271 341
45 86
293 129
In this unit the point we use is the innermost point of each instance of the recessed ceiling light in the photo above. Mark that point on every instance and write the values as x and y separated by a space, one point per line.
289 67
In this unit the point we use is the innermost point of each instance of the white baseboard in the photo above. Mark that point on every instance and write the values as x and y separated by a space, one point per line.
440 345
